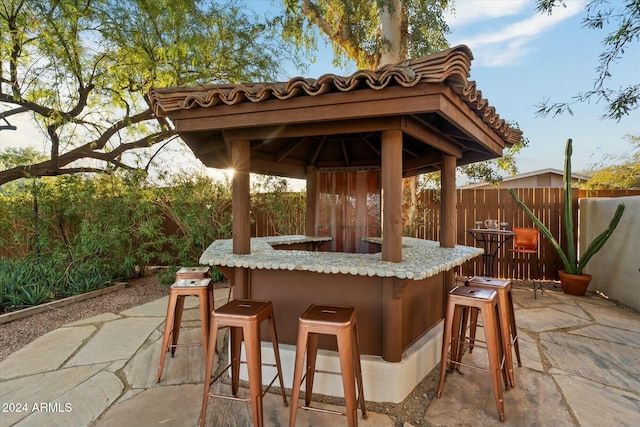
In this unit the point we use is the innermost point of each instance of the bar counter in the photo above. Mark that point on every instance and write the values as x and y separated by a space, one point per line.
420 258
396 303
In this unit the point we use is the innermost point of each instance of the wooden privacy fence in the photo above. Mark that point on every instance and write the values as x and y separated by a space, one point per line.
477 205
284 214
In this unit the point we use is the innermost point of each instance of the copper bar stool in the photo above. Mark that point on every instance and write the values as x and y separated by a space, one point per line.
462 298
507 319
244 318
339 321
192 273
183 287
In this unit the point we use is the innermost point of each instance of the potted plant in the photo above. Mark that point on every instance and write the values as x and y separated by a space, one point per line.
572 279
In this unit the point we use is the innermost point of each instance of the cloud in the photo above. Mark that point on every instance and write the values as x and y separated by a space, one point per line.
509 41
468 11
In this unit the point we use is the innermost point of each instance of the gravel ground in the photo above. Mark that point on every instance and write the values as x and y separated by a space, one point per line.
16 334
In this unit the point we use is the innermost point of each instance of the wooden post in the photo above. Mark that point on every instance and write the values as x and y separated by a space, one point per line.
240 204
312 189
447 217
392 195
448 202
391 321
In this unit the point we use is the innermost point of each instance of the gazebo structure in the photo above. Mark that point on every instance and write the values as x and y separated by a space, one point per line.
353 139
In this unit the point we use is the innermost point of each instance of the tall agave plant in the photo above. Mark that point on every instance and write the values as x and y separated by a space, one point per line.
570 260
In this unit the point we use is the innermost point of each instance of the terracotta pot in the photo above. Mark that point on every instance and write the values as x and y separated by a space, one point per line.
574 284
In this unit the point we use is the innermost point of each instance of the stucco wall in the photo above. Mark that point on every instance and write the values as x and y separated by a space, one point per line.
616 268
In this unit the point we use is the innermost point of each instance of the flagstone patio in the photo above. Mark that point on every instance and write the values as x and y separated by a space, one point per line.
581 367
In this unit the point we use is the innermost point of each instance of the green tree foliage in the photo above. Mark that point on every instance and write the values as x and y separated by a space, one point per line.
82 69
358 29
619 171
623 18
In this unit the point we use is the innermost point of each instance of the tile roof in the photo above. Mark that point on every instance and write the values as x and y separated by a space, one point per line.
451 67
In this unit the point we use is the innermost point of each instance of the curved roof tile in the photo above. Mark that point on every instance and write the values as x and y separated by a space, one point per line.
451 66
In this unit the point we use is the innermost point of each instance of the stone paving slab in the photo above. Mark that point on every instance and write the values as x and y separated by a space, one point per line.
186 367
43 388
175 406
574 310
596 405
116 340
529 352
468 399
81 405
613 316
46 353
226 413
157 308
547 319
100 318
607 333
606 363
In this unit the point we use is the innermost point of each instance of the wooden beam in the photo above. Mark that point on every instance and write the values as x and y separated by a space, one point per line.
269 167
333 127
314 156
312 189
423 133
422 161
287 149
345 154
392 195
240 203
448 202
373 147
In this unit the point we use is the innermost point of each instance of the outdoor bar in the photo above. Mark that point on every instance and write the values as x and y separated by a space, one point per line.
353 139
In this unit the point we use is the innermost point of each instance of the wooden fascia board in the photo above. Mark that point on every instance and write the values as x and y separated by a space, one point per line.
420 132
361 104
459 114
269 167
315 129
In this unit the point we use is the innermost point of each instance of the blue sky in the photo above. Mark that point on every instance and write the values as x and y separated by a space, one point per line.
521 58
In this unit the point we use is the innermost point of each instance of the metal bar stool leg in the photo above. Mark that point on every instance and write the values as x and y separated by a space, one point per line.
301 351
254 363
312 355
348 376
491 335
358 368
168 331
513 336
446 342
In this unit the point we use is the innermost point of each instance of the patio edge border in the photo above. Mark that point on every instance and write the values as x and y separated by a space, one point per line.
19 314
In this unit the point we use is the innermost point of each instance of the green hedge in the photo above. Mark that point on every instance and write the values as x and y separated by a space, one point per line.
72 234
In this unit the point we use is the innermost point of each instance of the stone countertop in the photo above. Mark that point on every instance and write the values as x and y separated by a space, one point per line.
420 258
